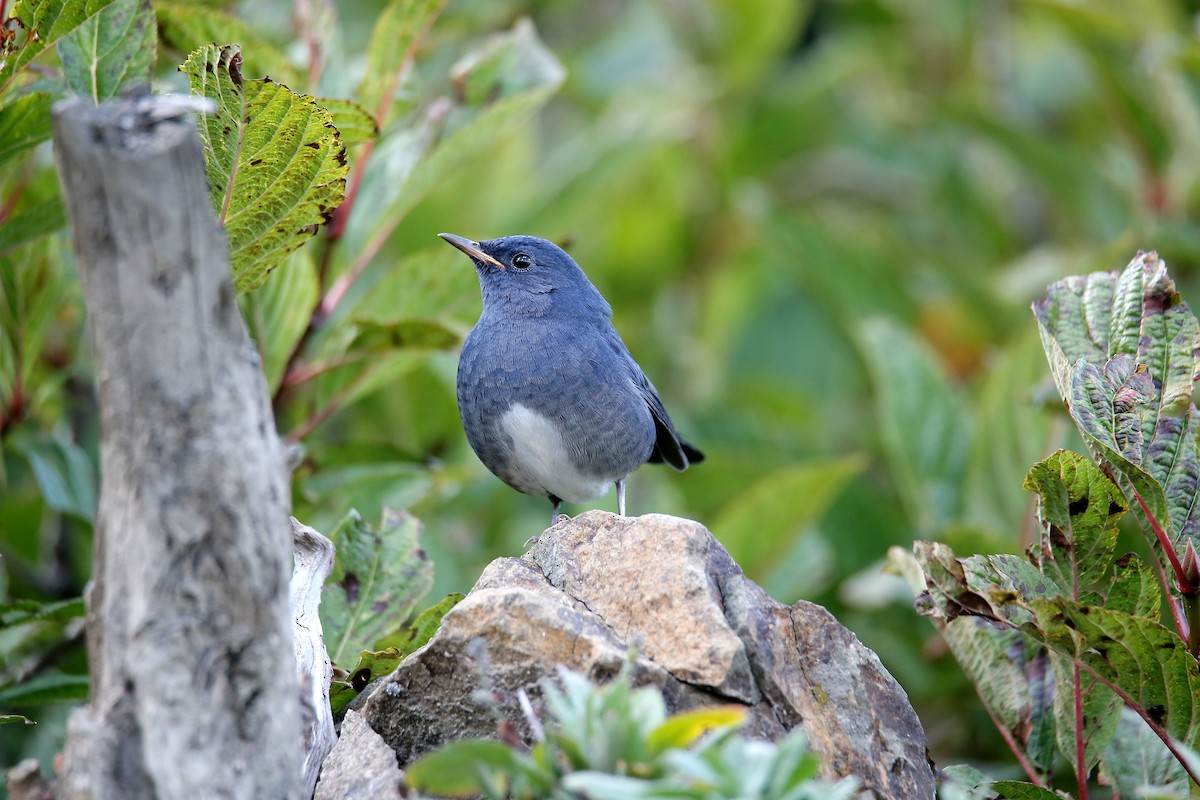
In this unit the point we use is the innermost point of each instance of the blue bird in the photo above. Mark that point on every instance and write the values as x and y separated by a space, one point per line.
551 400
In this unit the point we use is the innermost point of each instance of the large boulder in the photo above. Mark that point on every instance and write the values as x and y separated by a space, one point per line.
705 634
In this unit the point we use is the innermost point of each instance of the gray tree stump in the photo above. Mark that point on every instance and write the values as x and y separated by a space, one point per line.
194 690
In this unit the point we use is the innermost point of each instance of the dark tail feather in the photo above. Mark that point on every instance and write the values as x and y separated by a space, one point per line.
671 448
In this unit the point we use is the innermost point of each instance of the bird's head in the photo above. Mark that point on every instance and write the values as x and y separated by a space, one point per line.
528 275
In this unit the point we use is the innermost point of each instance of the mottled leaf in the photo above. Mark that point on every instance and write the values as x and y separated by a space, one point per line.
111 50
40 24
371 665
275 163
1019 790
1099 712
1123 350
378 578
1137 762
1079 508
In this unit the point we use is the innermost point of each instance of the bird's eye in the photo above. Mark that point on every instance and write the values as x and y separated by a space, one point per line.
522 261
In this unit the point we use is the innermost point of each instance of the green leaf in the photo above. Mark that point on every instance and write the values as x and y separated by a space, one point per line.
456 769
924 423
353 122
760 524
1146 662
1079 508
46 688
1100 711
275 164
1005 671
15 719
111 50
1019 790
371 665
683 729
408 164
280 311
1137 760
23 611
38 25
413 637
378 578
397 32
1123 353
24 123
37 221
64 473
184 27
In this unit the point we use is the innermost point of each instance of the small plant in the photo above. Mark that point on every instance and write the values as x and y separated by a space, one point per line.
1067 647
615 742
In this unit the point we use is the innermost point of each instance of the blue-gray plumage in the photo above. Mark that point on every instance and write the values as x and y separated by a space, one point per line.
551 400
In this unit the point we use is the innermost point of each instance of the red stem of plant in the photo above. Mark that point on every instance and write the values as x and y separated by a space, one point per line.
1006 734
1080 744
1185 586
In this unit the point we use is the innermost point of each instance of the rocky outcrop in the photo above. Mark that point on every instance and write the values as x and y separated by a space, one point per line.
595 586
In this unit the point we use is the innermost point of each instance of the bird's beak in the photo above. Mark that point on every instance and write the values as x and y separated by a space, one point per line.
471 249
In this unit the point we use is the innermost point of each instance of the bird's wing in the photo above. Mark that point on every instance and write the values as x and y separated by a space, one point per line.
669 446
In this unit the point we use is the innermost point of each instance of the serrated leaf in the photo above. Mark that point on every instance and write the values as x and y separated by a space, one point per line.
1146 662
353 122
397 30
275 163
111 50
924 423
47 688
1123 350
378 578
40 24
1079 508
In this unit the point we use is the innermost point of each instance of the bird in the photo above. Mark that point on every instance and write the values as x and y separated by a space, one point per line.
551 400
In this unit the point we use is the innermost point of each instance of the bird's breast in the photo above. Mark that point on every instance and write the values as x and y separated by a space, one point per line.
540 461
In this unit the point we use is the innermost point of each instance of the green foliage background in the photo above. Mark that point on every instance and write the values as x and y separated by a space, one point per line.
820 226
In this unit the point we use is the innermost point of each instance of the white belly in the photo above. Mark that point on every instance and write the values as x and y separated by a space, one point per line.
540 462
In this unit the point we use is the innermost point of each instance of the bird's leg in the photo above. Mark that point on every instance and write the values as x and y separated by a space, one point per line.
557 501
621 497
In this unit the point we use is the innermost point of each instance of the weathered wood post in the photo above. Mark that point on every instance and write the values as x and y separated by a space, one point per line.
194 688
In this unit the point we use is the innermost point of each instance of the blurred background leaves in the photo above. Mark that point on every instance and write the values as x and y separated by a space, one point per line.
820 225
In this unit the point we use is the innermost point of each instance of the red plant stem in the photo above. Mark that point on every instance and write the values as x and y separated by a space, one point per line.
1171 745
1006 734
1185 586
327 410
1080 745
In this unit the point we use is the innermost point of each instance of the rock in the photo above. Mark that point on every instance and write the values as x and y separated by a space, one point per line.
705 635
360 767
